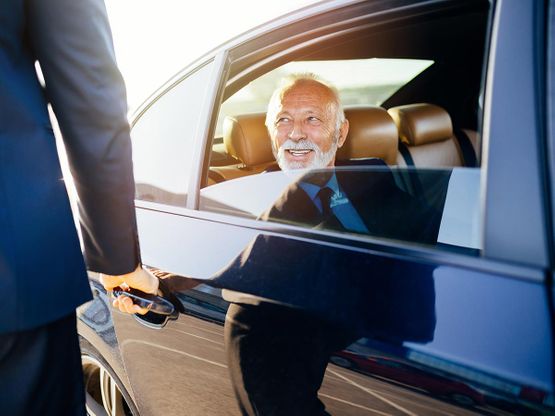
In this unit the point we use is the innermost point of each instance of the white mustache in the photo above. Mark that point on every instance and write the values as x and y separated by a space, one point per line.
302 144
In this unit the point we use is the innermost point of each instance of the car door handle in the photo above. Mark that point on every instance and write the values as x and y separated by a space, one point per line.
154 304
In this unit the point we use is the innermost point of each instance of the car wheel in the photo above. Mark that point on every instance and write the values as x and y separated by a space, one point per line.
105 395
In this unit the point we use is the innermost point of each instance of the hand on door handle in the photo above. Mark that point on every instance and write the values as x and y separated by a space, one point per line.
136 301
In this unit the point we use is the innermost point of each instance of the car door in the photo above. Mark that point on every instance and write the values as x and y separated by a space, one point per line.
439 331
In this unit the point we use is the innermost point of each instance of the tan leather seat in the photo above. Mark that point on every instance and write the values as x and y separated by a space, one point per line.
372 133
427 131
246 140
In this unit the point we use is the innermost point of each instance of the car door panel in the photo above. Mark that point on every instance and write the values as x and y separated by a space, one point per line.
441 331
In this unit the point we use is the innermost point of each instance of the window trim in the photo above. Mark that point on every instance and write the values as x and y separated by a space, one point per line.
494 258
205 128
519 235
550 115
349 26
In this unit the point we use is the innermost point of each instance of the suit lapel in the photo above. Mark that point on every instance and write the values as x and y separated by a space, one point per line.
293 206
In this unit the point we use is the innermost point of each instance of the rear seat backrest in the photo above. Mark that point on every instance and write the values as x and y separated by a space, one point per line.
427 131
372 133
246 139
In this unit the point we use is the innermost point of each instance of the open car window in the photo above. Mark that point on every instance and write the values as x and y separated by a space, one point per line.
360 81
409 169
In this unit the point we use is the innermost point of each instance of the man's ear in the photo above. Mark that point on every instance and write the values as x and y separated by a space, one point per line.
343 131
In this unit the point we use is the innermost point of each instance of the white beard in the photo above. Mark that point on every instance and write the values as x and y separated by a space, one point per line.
320 159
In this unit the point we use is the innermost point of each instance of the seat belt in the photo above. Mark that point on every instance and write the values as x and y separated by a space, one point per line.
404 150
412 172
469 157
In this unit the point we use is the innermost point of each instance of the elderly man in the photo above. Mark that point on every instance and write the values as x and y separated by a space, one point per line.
307 126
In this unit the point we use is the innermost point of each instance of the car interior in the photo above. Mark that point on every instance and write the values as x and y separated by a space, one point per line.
428 123
432 121
418 135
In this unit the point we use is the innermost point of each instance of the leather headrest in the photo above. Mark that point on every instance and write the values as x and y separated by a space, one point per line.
372 133
246 138
422 123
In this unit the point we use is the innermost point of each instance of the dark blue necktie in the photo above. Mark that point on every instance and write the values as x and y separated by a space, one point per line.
325 195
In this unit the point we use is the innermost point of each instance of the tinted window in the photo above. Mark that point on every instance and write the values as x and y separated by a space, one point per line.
163 141
374 201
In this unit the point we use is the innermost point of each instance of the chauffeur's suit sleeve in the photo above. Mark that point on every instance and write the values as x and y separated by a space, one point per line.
72 42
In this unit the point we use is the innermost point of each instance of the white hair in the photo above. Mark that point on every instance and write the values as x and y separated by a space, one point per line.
291 81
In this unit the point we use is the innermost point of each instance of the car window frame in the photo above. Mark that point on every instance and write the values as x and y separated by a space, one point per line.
550 116
205 127
515 237
494 264
484 262
488 231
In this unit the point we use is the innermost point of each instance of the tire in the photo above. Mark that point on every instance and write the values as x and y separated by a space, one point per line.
105 394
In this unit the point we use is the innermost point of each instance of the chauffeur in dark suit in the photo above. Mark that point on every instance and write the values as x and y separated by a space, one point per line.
42 272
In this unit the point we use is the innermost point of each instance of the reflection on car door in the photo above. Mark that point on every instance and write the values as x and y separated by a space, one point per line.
420 324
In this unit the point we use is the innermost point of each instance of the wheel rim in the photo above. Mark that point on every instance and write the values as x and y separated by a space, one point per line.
103 394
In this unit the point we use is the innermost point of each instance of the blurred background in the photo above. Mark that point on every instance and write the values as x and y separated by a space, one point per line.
154 39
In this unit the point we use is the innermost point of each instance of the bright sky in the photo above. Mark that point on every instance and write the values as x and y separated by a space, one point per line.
156 38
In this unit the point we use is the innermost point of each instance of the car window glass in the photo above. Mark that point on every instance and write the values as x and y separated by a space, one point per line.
163 140
372 200
408 171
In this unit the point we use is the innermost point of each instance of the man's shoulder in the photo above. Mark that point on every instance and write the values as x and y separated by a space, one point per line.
293 205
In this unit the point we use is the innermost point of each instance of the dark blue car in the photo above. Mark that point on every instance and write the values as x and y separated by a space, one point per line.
449 303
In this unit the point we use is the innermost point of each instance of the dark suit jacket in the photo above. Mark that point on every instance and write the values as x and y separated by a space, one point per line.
384 208
42 273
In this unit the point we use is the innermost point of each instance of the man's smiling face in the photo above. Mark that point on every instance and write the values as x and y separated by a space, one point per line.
304 130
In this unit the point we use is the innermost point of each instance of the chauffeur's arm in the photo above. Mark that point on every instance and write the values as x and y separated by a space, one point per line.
87 94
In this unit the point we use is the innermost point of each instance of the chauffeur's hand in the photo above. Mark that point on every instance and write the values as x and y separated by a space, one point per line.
140 279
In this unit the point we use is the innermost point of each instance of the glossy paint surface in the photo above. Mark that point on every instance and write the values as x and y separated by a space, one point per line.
437 329
442 331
